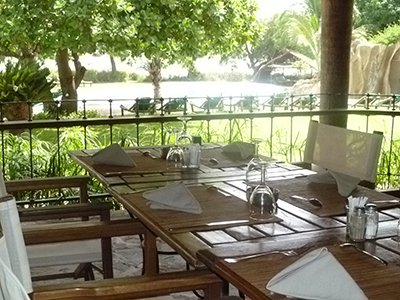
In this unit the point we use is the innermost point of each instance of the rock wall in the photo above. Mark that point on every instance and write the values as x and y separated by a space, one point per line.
374 68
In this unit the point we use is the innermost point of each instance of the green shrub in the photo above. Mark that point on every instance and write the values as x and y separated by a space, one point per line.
389 36
108 76
25 80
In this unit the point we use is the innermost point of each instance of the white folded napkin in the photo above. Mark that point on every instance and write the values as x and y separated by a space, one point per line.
345 183
175 196
244 149
113 155
317 275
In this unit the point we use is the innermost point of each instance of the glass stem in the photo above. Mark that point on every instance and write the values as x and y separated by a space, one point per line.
256 149
263 173
176 138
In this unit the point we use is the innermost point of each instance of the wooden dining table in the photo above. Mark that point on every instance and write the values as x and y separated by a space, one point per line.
225 230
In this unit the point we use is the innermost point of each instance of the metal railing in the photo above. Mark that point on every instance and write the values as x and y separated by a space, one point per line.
281 120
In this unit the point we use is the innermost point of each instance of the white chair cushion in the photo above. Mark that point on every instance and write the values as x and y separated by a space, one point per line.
64 253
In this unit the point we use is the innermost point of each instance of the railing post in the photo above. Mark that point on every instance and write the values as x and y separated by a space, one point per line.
137 107
110 101
84 109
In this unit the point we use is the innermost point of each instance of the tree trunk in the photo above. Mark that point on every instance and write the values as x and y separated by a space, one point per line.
155 75
336 28
69 98
79 71
113 65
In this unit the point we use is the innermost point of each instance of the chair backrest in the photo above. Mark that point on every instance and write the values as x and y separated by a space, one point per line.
212 103
174 104
142 104
344 151
14 240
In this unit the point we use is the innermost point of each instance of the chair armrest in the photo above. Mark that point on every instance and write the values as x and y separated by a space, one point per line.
134 287
34 184
101 209
78 231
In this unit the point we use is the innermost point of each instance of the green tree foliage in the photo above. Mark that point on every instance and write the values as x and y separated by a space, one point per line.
163 31
273 40
389 36
294 32
171 31
178 31
376 15
307 30
63 29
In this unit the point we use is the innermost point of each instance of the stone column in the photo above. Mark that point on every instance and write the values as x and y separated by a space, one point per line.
336 29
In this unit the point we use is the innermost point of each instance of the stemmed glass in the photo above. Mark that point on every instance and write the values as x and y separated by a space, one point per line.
175 156
262 202
254 167
184 138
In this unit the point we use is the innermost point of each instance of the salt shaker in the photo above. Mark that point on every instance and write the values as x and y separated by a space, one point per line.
357 224
372 221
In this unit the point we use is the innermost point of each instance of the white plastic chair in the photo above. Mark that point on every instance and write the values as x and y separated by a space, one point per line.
350 156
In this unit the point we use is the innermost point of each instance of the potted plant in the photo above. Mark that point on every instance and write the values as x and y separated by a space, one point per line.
21 82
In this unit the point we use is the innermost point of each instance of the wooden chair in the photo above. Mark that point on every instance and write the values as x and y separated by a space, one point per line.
135 287
123 288
82 253
117 288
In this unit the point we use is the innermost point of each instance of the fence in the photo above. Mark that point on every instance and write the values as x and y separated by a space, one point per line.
39 147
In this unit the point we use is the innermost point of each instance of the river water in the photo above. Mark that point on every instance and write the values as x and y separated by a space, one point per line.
125 93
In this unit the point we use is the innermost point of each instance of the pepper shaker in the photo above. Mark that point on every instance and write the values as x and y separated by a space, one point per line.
372 221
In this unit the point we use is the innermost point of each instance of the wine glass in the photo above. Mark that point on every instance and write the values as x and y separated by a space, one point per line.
253 168
262 202
175 155
184 138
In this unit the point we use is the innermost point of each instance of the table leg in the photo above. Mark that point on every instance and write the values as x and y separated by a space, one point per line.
150 258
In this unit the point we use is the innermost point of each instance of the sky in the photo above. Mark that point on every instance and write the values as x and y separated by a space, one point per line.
268 8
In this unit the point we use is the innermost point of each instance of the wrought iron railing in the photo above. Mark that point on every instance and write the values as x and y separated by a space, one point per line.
281 120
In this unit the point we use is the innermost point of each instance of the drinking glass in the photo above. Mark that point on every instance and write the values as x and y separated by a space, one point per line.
184 138
262 202
175 155
254 166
